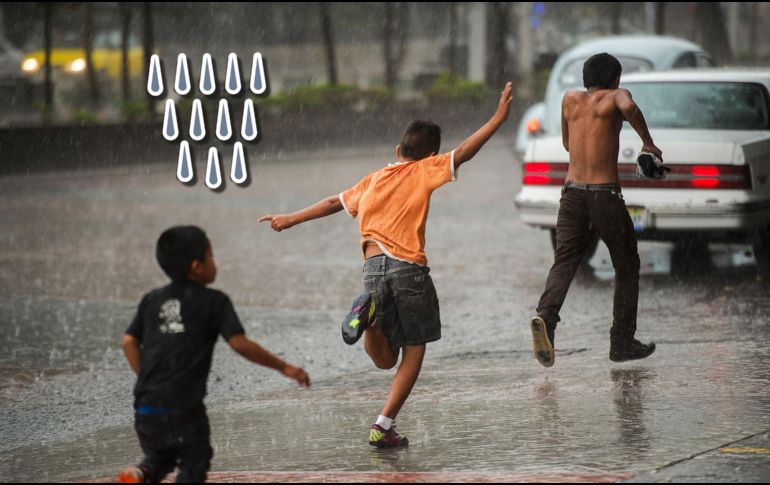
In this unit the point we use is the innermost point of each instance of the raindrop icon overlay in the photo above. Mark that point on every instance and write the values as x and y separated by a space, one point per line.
197 124
208 83
184 168
155 77
233 79
258 81
238 169
213 170
170 125
182 84
249 122
224 128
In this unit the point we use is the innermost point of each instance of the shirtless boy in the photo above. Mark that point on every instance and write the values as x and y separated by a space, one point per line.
592 200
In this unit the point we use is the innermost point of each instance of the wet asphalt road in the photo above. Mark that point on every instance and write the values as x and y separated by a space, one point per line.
77 255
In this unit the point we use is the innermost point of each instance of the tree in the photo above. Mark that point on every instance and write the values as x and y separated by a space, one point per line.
47 72
616 14
394 57
660 18
497 57
125 32
328 34
711 31
88 48
148 42
453 37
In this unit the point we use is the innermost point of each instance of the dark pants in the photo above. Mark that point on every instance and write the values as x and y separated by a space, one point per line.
168 440
580 213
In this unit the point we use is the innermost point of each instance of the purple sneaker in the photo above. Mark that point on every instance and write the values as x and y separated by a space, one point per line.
386 439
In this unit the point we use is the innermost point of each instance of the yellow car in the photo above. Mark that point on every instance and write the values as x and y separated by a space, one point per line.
68 56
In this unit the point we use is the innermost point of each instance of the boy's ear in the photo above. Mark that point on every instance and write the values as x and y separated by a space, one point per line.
398 151
195 267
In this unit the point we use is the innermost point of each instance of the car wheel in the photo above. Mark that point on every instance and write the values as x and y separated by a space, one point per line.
690 257
585 271
761 245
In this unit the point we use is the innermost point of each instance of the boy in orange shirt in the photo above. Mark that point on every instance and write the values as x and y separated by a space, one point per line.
393 207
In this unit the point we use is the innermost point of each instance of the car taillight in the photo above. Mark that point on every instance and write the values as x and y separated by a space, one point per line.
691 177
534 126
543 173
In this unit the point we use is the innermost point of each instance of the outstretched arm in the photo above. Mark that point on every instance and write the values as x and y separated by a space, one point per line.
328 206
473 143
133 352
633 115
252 351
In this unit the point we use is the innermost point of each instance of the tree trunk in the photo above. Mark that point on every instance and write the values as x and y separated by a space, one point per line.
328 34
147 44
616 12
88 48
712 32
125 32
390 72
47 72
497 60
660 18
453 37
753 30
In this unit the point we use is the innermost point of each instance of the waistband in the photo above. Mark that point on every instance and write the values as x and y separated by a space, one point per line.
385 263
592 187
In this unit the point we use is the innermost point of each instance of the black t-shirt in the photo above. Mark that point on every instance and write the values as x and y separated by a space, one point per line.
177 327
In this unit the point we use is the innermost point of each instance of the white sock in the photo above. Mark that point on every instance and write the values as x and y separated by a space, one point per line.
384 422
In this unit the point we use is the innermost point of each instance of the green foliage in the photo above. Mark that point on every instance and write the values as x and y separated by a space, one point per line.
83 116
134 110
326 98
449 87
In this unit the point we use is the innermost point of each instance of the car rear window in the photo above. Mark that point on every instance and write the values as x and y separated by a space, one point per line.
703 105
572 75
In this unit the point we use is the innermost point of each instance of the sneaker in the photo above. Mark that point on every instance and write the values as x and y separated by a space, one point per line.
542 341
386 439
359 318
131 474
634 350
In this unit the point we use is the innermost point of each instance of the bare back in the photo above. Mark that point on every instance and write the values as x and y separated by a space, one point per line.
591 123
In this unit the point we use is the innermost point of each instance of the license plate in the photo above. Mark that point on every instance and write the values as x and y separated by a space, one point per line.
638 217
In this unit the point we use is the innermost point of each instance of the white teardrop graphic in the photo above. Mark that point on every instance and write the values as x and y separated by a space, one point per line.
208 82
182 84
197 124
213 171
170 125
224 128
249 125
155 77
233 79
258 82
184 168
238 169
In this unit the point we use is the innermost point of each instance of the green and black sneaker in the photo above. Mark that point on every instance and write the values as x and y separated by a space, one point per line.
359 318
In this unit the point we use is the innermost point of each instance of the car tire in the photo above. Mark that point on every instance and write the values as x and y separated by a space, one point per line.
690 257
761 244
585 272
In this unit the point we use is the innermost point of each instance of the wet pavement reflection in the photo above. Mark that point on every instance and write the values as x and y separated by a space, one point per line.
76 256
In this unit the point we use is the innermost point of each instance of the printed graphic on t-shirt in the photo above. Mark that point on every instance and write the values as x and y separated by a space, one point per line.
171 314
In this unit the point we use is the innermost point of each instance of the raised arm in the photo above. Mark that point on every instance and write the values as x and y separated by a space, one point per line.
473 143
252 351
633 115
328 206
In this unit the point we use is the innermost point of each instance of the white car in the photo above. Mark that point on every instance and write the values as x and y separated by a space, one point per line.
713 127
640 53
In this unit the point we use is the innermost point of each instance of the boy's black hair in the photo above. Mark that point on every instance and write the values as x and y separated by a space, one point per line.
178 247
600 71
421 139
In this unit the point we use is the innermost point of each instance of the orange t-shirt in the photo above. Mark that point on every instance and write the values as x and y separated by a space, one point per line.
393 205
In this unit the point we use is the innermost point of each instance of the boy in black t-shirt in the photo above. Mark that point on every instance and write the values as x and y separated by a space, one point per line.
169 346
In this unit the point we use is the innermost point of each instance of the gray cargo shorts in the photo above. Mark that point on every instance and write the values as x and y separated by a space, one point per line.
406 304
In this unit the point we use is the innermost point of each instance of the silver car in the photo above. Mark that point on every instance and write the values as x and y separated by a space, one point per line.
713 126
635 53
